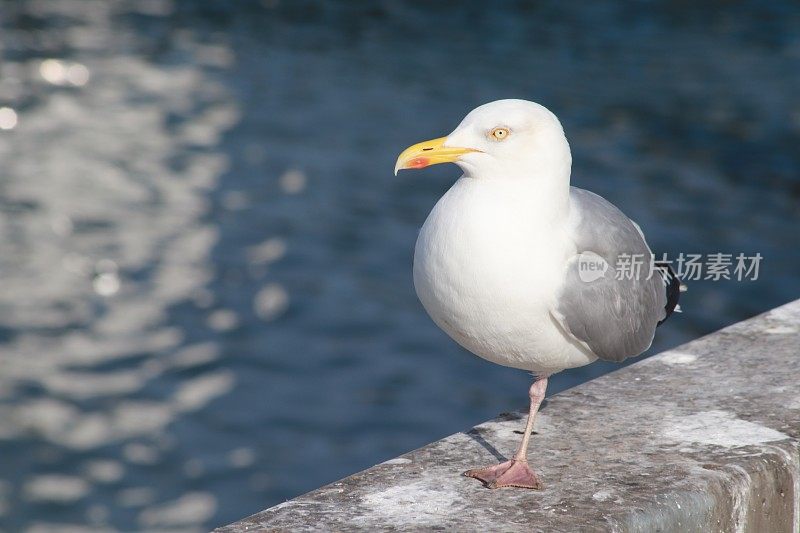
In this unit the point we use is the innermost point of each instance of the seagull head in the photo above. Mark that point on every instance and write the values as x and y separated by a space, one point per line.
501 139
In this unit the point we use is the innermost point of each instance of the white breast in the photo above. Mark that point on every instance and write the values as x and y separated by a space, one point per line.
487 265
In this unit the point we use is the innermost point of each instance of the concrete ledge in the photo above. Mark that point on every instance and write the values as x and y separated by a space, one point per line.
705 437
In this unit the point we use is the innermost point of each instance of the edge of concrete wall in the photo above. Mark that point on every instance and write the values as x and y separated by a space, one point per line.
705 437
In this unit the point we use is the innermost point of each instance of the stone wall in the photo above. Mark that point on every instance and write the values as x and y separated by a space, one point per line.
705 437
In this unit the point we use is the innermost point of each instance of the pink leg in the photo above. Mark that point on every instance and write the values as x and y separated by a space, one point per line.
516 472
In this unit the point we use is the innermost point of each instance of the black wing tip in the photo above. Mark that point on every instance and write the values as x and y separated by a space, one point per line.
672 285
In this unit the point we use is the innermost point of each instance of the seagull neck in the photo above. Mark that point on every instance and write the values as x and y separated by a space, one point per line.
542 194
549 187
548 199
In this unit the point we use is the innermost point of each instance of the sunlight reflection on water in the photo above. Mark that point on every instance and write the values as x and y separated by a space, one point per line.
115 218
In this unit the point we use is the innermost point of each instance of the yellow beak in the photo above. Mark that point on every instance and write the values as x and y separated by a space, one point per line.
429 153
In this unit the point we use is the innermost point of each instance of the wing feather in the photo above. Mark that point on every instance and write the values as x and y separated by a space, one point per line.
614 315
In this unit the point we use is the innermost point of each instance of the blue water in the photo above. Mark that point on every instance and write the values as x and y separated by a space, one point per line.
206 303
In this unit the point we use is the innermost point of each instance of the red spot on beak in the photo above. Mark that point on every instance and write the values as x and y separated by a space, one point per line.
418 162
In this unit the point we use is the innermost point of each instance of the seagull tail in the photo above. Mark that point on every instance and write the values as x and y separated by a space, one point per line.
673 286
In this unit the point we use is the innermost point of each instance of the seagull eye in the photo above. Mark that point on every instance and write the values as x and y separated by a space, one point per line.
499 134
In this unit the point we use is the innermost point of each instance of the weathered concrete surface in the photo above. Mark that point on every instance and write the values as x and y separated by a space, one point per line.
705 437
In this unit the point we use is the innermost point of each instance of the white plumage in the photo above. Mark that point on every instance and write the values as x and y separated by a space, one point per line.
488 264
497 262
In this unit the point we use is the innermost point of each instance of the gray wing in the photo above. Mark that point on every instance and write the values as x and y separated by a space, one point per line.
615 315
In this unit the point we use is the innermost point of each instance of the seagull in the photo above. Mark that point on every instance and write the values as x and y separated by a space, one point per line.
522 269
